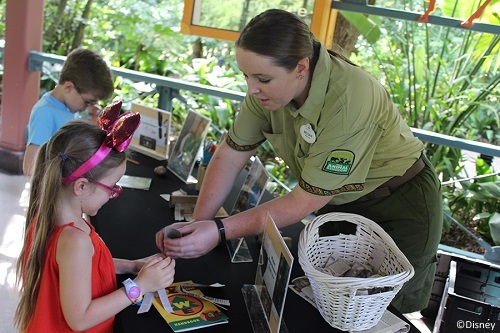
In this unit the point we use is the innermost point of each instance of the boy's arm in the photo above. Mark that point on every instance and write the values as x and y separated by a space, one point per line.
29 159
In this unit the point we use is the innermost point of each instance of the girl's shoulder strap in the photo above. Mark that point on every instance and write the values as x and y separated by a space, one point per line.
89 224
71 225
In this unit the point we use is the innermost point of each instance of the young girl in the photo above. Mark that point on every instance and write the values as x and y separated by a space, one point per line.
68 274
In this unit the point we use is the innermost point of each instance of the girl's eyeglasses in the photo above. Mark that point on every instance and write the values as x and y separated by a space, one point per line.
116 190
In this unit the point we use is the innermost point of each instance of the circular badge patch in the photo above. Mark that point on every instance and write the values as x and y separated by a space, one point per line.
307 133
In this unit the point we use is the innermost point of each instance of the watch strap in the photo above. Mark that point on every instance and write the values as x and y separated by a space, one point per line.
222 231
133 291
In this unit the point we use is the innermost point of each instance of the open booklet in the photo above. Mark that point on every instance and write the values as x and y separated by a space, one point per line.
191 309
389 323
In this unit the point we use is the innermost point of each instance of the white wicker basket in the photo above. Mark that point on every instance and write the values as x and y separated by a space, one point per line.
336 297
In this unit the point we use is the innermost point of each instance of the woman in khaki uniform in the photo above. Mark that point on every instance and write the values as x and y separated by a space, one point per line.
337 129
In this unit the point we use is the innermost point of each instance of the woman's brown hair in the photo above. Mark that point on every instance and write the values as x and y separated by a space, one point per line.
283 37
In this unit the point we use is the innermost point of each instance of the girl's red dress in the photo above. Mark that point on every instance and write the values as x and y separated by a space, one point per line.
48 316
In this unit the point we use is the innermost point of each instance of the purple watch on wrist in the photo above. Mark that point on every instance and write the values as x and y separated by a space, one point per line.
133 291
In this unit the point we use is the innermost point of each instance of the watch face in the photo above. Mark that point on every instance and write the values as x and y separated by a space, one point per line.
134 292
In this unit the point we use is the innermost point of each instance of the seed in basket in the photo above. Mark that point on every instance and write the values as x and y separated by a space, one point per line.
365 273
338 268
331 260
380 290
360 270
362 292
371 291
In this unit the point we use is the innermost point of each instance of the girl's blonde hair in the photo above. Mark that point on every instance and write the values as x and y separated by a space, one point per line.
69 147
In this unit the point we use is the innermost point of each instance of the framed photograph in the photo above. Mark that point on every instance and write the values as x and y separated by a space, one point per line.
273 273
183 156
253 188
152 138
249 196
266 299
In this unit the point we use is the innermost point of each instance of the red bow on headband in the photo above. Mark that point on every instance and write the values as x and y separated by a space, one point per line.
119 130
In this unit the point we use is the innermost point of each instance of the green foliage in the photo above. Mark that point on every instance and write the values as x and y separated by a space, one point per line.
221 111
2 20
369 27
138 35
144 36
439 77
444 80
280 171
235 14
476 199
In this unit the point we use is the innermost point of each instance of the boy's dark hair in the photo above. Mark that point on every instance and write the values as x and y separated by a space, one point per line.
89 73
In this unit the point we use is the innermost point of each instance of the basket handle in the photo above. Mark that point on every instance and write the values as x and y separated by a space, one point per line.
352 219
337 227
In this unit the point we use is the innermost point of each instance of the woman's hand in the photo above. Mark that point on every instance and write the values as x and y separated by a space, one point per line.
198 238
160 235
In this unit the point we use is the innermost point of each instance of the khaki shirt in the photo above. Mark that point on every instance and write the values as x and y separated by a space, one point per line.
361 140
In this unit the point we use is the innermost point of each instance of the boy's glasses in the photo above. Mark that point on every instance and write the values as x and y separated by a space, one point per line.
116 190
87 103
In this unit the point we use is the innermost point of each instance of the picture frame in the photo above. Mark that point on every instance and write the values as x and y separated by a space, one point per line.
273 274
200 17
187 146
265 300
152 137
253 187
250 195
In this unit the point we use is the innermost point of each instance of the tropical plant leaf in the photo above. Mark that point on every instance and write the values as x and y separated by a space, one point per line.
494 223
366 27
491 190
420 64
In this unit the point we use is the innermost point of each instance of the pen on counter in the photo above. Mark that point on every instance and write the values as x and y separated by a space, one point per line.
208 150
160 122
132 161
208 145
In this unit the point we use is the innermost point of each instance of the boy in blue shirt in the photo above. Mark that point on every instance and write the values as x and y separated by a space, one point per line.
84 80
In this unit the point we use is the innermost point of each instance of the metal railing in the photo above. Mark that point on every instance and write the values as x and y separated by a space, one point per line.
168 88
361 6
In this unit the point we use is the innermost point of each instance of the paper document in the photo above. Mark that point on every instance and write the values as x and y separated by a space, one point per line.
139 183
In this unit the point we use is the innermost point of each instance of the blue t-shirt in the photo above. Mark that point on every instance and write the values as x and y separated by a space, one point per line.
47 116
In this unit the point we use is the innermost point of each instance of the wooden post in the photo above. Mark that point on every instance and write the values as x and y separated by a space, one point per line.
20 86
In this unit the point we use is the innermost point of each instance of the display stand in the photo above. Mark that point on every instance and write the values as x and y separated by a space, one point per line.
183 157
249 197
265 300
238 250
255 310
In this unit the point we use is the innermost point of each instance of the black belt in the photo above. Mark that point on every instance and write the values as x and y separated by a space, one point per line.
394 183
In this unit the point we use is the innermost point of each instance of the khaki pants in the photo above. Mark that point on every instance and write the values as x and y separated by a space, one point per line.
413 217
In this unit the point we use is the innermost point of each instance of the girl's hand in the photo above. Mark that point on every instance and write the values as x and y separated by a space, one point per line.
158 273
138 264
